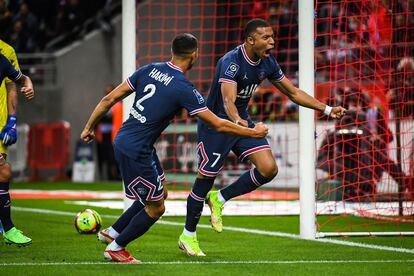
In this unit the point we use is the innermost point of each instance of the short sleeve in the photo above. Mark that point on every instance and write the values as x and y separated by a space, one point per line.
192 100
229 71
132 80
276 73
9 70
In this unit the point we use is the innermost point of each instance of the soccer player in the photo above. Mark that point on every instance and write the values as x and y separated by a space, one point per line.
8 136
162 91
237 75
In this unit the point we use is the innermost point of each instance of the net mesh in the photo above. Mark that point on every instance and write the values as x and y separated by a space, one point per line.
362 58
365 161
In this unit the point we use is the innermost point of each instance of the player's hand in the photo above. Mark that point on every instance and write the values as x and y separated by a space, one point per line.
261 130
337 112
242 122
87 135
28 92
9 132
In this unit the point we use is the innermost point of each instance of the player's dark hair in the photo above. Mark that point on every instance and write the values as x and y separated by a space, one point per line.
252 25
184 44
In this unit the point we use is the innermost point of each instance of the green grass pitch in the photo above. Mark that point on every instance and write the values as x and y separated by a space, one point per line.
58 249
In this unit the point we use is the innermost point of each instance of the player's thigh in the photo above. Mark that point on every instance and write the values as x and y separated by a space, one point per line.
212 150
259 152
264 162
141 181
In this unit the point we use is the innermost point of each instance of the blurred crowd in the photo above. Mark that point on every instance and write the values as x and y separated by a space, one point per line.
354 39
29 25
354 43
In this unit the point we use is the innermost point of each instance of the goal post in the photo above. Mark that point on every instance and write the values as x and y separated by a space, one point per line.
306 121
128 58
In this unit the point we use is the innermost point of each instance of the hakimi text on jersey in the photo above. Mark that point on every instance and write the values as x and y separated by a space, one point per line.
164 78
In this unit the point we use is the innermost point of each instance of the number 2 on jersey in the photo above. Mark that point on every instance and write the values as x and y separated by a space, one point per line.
150 89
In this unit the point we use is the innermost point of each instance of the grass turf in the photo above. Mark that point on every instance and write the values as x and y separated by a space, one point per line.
56 241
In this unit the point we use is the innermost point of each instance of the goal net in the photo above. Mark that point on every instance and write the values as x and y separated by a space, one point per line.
364 162
364 62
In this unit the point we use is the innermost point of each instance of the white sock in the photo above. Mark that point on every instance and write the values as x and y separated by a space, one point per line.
113 233
113 246
188 233
221 198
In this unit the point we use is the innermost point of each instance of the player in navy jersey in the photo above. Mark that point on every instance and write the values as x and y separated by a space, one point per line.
237 75
11 234
162 91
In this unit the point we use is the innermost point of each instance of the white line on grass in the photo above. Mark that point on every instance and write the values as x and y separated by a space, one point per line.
213 262
238 229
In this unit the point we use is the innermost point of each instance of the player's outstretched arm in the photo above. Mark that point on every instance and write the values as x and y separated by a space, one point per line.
225 126
302 98
116 95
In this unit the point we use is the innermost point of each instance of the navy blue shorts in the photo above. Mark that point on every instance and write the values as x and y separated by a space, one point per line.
157 164
213 148
142 178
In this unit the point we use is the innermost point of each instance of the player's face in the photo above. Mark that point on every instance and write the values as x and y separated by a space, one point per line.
263 41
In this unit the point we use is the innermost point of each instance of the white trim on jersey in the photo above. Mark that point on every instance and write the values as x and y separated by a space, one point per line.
227 81
130 84
198 111
280 79
246 57
174 66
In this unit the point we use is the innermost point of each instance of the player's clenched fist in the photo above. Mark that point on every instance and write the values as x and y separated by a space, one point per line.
337 112
261 130
87 135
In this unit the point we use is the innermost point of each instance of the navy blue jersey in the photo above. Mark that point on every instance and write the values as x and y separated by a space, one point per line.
162 91
237 68
7 70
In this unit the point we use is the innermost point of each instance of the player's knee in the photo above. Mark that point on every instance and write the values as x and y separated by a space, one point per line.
156 210
5 172
202 176
269 171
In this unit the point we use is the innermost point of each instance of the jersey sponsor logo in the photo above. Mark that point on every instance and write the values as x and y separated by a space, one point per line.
232 69
164 78
247 91
200 98
142 119
245 76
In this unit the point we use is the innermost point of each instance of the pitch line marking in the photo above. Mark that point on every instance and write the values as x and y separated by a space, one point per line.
238 229
214 262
